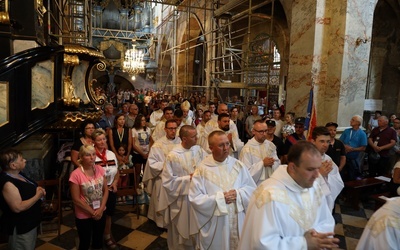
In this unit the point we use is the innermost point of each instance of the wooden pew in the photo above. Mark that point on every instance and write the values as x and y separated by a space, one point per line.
355 188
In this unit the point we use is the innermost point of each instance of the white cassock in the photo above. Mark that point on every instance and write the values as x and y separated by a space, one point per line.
281 211
278 128
152 175
383 228
217 223
333 184
174 202
187 121
156 117
159 131
252 155
200 134
212 125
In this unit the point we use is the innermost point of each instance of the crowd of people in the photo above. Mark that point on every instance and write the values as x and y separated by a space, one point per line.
219 176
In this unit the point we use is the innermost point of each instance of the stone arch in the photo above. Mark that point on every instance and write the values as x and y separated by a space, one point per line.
164 74
188 36
384 64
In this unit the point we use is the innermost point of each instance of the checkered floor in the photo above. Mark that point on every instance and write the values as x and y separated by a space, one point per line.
140 233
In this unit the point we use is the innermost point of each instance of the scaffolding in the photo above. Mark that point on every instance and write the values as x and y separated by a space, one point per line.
69 21
203 46
229 62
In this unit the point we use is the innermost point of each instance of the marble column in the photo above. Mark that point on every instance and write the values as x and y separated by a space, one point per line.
302 36
330 47
356 54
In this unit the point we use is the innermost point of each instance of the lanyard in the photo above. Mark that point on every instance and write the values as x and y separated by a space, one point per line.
87 177
26 180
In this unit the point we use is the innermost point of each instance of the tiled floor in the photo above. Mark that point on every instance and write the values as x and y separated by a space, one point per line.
140 233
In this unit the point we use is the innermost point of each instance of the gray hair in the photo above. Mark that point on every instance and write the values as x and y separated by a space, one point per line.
359 119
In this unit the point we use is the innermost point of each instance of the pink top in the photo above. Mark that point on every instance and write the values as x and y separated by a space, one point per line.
91 188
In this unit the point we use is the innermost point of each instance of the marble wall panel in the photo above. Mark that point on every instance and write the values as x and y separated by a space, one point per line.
359 20
78 80
42 84
4 112
21 45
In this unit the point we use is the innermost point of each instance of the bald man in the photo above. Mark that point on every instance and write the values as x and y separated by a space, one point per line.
212 124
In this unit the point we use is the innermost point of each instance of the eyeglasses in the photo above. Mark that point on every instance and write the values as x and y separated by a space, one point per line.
90 128
172 128
261 131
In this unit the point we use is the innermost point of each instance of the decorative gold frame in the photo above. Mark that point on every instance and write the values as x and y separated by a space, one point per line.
119 46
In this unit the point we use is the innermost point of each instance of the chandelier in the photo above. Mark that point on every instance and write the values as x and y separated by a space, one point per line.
133 63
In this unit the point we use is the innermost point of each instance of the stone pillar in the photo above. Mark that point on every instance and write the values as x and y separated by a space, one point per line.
330 46
301 55
356 54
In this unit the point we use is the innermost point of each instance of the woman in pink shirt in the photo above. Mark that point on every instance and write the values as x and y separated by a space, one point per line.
89 193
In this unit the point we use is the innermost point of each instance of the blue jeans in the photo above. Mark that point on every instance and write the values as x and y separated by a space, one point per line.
353 168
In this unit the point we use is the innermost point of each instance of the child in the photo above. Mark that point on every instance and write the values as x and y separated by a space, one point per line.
123 178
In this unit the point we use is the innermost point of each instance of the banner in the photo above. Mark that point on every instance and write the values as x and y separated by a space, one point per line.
311 119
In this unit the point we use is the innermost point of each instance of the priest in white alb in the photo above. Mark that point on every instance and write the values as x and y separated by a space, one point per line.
289 210
219 195
259 154
236 144
329 179
154 167
159 129
383 228
176 176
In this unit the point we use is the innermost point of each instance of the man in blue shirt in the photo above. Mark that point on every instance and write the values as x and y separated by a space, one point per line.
355 142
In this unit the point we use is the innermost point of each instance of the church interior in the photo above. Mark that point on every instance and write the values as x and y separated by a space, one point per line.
62 60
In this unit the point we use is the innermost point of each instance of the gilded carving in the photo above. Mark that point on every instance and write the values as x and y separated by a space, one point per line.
97 93
115 51
71 59
69 93
4 16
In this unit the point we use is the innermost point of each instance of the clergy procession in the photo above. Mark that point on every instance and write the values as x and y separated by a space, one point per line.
213 188
218 179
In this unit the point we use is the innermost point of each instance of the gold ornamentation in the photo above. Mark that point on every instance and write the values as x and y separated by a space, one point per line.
101 66
97 94
71 60
69 93
119 46
77 49
4 16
